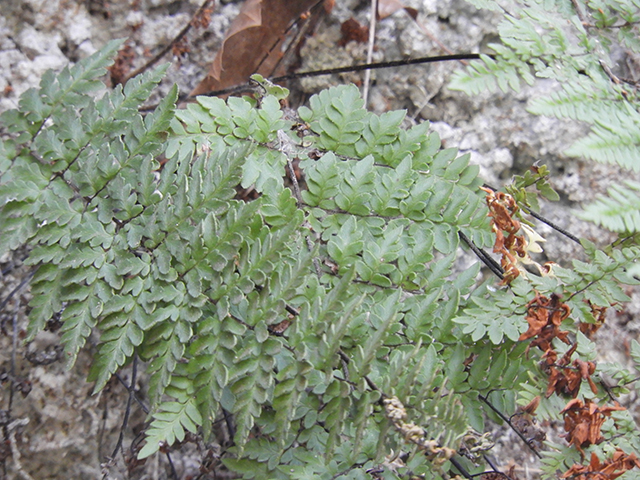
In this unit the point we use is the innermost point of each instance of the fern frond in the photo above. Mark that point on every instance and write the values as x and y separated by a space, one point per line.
484 4
611 143
169 425
118 344
296 313
619 212
578 100
485 75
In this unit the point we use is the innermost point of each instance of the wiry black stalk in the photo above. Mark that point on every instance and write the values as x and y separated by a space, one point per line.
483 256
507 420
353 68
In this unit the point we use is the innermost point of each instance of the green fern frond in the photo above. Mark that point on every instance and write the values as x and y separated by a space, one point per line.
169 425
579 100
615 144
484 4
485 75
619 212
295 313
549 40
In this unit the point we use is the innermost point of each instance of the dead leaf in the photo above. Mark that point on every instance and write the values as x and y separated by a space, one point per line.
565 378
609 470
353 31
387 8
531 407
599 314
502 208
544 316
122 65
583 421
253 42
202 19
526 424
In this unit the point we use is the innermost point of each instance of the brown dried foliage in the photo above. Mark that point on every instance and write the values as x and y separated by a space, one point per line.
599 313
352 31
203 19
279 328
253 43
502 208
618 464
509 475
530 429
583 421
544 316
122 65
180 48
565 377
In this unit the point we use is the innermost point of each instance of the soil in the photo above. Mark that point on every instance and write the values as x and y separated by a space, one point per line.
56 428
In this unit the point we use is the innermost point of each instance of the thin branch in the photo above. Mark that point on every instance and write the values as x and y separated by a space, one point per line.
491 472
379 65
508 422
171 44
631 381
372 40
12 266
465 473
612 76
495 469
228 420
144 408
16 290
14 349
483 256
588 285
127 412
284 59
551 224
536 215
580 13
343 356
353 68
103 426
347 470
608 391
288 150
174 474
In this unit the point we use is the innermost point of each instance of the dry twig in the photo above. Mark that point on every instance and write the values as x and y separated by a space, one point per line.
372 40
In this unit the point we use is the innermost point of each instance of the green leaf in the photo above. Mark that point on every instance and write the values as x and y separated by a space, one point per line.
169 425
620 211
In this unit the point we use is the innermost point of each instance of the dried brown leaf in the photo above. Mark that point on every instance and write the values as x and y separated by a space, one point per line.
583 421
609 470
352 31
253 42
387 8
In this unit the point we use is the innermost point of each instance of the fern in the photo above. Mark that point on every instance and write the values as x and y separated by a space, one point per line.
620 211
553 40
302 315
612 141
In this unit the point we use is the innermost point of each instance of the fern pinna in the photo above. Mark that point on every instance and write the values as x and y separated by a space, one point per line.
325 319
